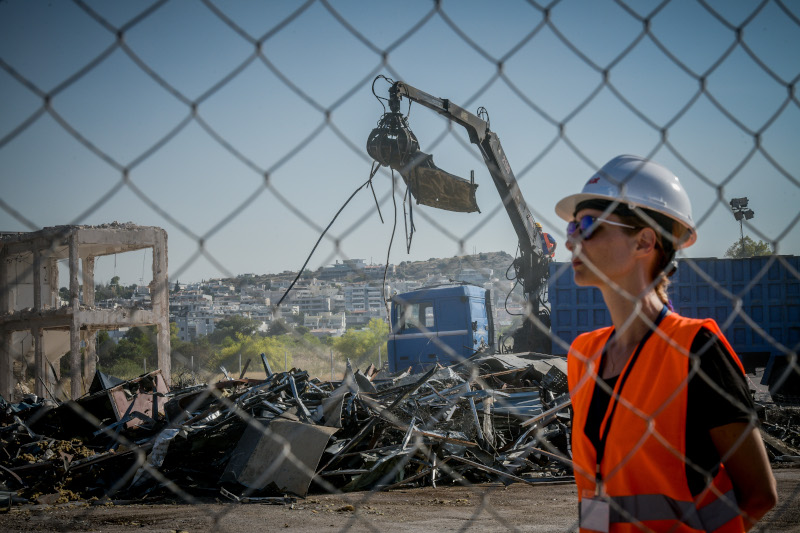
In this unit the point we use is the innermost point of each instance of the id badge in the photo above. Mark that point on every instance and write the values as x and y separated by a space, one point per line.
595 514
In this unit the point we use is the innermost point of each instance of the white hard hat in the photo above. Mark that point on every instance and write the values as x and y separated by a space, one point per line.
634 181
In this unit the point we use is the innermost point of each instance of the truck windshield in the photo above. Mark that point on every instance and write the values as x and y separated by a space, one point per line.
417 316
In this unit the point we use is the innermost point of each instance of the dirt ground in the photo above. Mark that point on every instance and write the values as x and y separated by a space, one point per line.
485 508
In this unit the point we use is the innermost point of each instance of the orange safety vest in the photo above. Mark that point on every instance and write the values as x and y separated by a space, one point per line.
643 468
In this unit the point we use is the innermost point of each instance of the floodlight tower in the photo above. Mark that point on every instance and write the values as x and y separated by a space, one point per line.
741 213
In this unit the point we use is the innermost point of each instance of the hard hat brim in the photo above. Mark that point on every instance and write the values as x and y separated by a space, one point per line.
565 209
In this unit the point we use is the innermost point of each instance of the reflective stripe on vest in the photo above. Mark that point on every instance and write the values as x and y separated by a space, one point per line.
651 507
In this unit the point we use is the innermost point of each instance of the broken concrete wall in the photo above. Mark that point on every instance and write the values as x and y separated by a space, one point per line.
29 301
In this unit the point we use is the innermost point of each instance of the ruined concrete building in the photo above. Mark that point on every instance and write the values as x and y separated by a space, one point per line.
36 326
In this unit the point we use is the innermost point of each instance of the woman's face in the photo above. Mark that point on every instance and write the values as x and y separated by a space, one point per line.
608 253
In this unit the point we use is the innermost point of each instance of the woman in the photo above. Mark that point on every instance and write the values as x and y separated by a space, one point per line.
664 434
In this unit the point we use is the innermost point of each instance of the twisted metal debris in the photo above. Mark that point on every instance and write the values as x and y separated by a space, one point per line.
498 418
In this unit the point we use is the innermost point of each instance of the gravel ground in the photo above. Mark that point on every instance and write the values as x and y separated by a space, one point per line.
485 508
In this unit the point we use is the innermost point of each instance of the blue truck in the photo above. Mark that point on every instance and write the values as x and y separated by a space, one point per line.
442 325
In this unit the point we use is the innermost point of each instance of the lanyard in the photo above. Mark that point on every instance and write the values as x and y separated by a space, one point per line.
626 372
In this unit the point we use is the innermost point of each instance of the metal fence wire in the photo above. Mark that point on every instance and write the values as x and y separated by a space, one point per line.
111 112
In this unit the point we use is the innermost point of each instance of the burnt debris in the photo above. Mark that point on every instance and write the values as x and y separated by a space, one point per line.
498 418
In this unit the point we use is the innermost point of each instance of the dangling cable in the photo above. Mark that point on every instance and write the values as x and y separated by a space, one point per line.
408 219
388 252
375 166
411 220
372 173
515 279
381 99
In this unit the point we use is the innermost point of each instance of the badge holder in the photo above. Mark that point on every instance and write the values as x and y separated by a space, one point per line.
595 513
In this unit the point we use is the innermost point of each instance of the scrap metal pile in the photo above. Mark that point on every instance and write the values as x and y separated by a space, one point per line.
780 428
499 418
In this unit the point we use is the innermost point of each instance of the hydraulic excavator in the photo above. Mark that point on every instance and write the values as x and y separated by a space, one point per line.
449 323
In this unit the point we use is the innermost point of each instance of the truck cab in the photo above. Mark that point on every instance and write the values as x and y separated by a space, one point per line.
442 325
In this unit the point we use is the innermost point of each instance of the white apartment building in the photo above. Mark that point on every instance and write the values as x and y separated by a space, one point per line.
338 304
337 322
219 287
340 270
198 323
362 318
262 313
363 297
141 296
255 294
401 286
313 305
189 301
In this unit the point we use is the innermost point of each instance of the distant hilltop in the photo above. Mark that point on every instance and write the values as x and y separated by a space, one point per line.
498 262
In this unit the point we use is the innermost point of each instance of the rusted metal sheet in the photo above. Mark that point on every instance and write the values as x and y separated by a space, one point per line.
141 395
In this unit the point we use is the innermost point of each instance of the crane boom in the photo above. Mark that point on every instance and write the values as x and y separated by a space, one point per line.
532 266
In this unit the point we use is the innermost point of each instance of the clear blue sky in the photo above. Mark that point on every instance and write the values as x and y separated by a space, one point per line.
48 178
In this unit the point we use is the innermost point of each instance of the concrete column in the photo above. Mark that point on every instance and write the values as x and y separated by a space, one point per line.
6 361
39 364
89 357
74 330
88 281
159 295
52 277
90 353
6 366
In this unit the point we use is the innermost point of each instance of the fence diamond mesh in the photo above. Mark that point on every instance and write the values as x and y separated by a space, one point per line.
241 129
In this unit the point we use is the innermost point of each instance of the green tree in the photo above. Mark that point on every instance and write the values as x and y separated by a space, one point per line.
747 247
277 327
361 346
230 326
198 352
251 347
105 345
138 345
126 369
176 345
126 292
104 292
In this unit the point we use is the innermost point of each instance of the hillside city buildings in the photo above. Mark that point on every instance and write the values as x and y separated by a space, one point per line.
327 304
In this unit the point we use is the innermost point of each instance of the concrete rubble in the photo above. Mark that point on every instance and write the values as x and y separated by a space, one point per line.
275 439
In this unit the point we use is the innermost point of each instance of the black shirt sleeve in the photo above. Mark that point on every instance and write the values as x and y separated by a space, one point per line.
716 366
708 408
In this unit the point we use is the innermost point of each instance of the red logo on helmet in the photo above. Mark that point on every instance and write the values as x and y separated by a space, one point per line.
593 180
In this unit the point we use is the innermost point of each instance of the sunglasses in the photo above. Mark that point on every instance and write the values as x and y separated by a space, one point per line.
586 226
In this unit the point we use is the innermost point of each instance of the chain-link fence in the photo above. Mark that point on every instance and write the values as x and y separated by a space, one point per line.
241 129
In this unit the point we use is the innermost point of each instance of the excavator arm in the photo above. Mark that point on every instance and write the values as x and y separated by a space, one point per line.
395 146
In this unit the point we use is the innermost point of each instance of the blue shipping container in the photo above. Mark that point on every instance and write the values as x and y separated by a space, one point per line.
755 301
